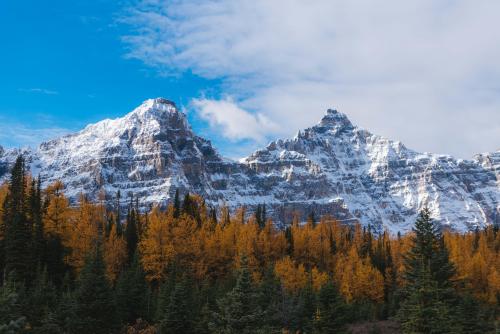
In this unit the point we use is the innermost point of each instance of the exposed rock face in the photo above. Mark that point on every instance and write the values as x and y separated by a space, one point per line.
332 168
148 153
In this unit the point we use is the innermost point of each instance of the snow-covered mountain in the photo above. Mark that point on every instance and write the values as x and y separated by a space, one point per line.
331 168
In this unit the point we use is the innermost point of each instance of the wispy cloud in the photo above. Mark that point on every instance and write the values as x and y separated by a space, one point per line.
234 122
39 90
423 71
15 134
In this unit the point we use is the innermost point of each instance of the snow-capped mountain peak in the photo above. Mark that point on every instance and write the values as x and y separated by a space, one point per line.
154 108
330 168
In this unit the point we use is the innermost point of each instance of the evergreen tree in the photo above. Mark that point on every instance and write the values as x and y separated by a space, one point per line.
118 208
473 319
258 216
12 319
165 293
311 219
190 208
289 240
423 311
213 219
331 315
54 259
18 238
238 311
65 315
428 298
304 310
178 317
177 204
94 307
269 300
35 215
131 234
118 215
42 299
132 293
50 325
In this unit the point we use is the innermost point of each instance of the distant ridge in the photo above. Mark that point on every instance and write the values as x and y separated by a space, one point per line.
331 168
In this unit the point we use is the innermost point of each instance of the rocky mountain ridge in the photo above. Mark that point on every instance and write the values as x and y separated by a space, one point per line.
331 168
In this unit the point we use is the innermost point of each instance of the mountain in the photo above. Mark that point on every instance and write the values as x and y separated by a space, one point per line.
331 168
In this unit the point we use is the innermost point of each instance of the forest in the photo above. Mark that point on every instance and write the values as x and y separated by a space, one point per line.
190 268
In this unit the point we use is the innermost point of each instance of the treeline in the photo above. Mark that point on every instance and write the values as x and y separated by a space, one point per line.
192 269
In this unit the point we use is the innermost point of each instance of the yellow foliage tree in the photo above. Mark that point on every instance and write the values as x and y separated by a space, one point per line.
57 214
293 277
358 279
83 232
115 254
156 248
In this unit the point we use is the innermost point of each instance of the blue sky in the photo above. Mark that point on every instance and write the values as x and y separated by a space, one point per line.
424 72
64 66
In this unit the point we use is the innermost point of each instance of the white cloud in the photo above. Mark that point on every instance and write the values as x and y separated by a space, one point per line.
235 122
422 71
12 134
39 90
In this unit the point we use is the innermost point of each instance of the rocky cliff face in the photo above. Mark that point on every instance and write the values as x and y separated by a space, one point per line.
332 168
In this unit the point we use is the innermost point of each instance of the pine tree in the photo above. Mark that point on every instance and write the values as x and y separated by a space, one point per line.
258 216
311 219
118 215
428 305
177 204
304 310
35 215
178 316
132 293
165 293
423 311
473 319
12 319
54 259
131 234
42 298
331 315
289 240
190 207
238 311
94 307
263 214
269 300
18 231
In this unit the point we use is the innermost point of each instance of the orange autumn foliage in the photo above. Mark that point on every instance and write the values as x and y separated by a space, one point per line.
361 263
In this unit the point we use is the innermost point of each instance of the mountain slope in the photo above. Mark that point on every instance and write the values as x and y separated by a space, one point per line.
332 168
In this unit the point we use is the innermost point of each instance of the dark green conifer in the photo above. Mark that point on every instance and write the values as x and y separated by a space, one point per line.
12 319
473 318
258 216
131 234
42 298
165 293
35 215
304 310
18 231
331 312
238 311
429 301
311 219
177 204
132 293
94 306
178 317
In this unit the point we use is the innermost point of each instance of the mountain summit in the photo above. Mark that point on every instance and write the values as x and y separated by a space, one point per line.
331 168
